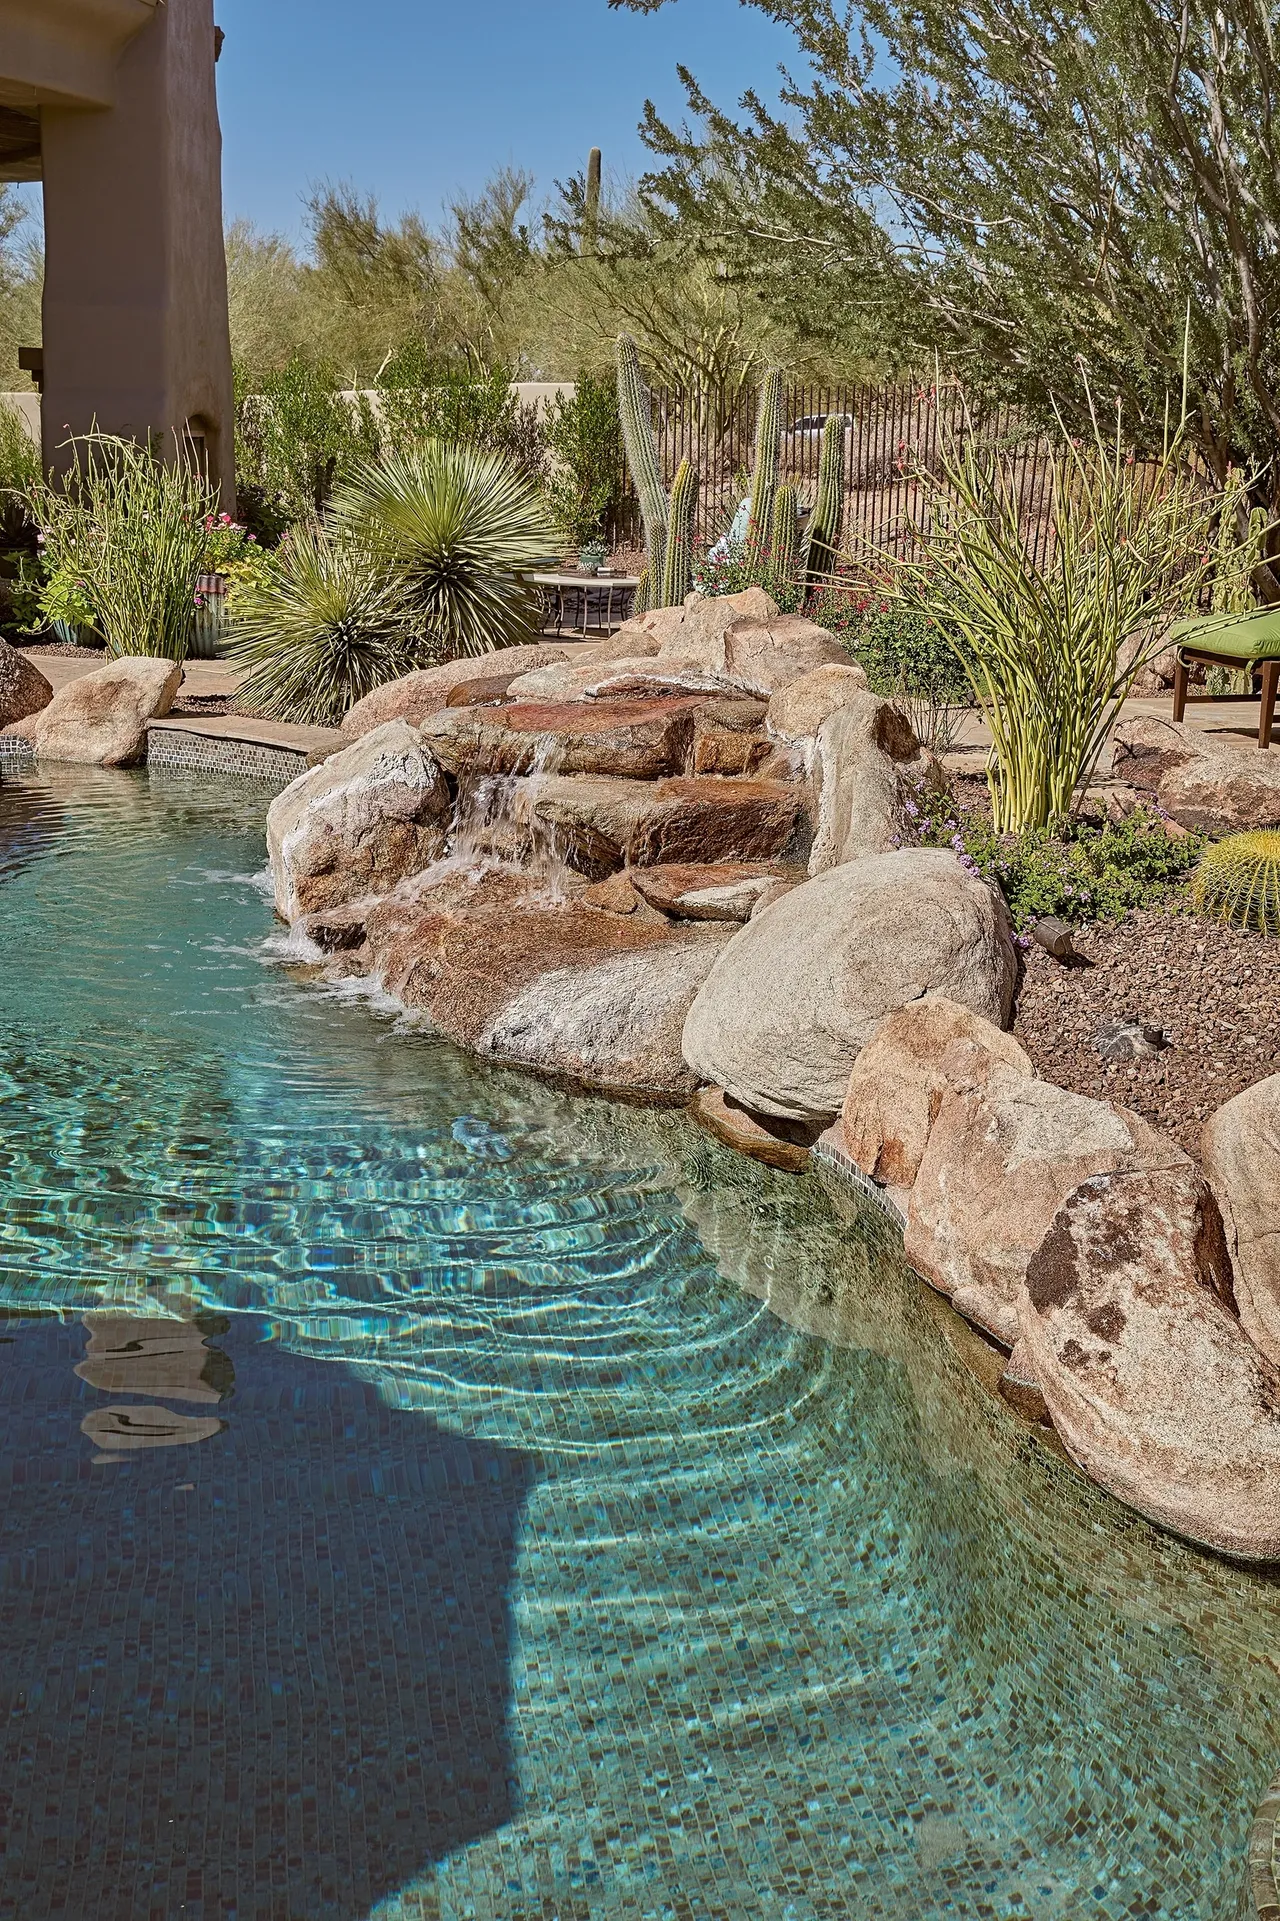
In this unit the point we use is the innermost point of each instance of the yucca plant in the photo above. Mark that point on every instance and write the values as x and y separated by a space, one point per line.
1238 882
128 528
1053 644
320 624
459 528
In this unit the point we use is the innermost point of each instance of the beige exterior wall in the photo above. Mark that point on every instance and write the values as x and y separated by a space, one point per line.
136 335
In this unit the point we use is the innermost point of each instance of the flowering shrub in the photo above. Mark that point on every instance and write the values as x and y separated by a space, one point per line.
225 543
1078 872
726 569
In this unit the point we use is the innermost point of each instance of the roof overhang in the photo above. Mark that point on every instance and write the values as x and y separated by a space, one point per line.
64 52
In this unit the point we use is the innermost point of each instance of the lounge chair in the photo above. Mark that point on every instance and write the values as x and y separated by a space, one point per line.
1247 643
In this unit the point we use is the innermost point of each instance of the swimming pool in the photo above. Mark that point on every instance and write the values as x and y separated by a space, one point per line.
426 1493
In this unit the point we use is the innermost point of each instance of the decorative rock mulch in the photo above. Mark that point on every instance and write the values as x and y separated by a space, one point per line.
1214 991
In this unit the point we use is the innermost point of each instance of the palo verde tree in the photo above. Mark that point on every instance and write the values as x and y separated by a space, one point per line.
1028 188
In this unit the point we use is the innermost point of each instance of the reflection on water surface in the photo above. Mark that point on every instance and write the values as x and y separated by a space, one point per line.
411 1502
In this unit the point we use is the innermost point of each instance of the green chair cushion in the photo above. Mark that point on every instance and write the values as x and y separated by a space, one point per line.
1234 636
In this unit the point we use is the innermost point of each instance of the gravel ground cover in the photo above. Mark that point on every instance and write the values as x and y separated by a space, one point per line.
1214 992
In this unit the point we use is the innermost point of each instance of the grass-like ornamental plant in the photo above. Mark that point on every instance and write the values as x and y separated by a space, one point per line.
1238 882
127 530
1053 643
320 624
458 527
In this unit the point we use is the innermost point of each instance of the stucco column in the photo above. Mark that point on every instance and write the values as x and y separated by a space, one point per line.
135 297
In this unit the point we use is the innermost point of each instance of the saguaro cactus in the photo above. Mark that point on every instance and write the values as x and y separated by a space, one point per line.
786 531
590 237
677 565
826 524
636 413
764 479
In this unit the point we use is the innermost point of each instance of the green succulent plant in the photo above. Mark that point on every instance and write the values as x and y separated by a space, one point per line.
826 524
764 478
635 411
320 625
1238 882
460 527
677 565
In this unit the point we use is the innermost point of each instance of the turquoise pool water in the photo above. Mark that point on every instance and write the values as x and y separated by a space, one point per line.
423 1493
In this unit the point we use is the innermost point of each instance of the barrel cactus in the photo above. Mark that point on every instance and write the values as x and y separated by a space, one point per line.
764 478
636 414
1238 882
677 565
826 524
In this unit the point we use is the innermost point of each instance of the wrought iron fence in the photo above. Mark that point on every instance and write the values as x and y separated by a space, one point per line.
892 434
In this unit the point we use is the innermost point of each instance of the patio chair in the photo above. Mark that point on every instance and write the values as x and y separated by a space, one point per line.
1244 643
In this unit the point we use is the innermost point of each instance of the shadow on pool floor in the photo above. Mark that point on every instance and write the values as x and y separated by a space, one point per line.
255 1648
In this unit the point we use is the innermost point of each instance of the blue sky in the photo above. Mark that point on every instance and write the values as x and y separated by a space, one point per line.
414 99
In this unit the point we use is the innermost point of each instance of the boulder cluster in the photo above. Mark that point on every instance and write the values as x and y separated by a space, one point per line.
668 867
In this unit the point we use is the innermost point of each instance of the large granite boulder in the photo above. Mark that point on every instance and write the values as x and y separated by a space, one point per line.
866 767
743 638
798 993
1199 779
358 823
100 719
23 688
800 706
1240 1148
900 1077
457 682
1001 1158
1151 1384
582 994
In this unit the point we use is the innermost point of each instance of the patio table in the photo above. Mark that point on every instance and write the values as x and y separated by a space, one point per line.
587 584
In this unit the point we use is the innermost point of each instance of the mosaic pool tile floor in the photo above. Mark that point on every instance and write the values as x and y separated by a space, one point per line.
424 1494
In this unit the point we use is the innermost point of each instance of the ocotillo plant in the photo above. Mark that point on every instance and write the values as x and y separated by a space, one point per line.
677 566
591 205
636 414
764 479
826 524
786 532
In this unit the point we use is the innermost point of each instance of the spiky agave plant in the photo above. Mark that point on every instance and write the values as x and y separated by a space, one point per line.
460 528
1238 882
321 625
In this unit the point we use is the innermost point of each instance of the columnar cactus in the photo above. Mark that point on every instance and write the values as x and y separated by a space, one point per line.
591 205
786 531
764 479
826 524
677 566
636 413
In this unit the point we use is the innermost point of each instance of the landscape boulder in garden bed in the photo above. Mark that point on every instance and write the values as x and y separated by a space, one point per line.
1152 1385
1001 1158
801 988
1241 1152
23 688
1199 780
100 719
901 1076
